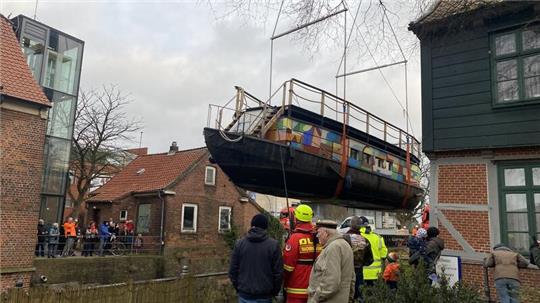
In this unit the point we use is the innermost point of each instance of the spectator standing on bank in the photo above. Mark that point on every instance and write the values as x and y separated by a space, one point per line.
41 238
332 277
90 236
138 243
434 248
130 231
71 234
361 252
506 274
256 267
391 271
54 234
104 236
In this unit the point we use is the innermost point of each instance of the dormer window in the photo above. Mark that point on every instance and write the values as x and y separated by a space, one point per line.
210 176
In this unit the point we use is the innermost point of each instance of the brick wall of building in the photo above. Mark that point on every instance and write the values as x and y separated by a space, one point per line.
22 138
465 183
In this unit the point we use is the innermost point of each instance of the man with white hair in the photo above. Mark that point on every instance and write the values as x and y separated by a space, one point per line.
332 276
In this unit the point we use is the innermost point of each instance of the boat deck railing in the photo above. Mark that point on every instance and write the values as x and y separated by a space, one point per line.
250 115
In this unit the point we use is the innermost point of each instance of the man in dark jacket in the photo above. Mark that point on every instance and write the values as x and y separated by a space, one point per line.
535 252
41 235
256 267
434 248
361 252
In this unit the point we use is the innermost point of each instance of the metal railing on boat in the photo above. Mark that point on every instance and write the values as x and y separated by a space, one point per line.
259 117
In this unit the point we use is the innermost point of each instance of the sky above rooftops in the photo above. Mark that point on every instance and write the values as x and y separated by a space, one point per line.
175 57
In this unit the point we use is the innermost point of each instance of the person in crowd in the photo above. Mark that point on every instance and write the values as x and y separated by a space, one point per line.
256 266
90 236
130 232
104 236
434 248
299 254
417 247
138 243
332 277
71 234
535 252
378 249
415 230
506 274
391 271
79 240
361 252
41 237
54 234
61 239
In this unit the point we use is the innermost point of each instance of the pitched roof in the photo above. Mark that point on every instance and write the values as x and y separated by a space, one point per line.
442 9
149 173
16 80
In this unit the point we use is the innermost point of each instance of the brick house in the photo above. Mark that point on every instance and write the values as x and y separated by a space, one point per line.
480 63
105 174
23 122
180 198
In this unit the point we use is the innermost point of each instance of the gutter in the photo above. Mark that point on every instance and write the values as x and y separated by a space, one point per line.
162 244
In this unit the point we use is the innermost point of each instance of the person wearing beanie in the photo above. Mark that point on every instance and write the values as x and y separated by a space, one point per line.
256 266
417 247
391 271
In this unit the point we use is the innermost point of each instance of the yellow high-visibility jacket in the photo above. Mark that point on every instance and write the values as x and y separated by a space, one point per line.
379 250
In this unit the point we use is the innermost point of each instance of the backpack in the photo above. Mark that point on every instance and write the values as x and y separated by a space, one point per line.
359 246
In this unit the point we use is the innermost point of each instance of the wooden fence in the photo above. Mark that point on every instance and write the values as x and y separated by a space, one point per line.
189 289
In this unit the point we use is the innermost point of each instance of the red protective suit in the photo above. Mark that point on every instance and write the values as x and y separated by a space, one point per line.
298 256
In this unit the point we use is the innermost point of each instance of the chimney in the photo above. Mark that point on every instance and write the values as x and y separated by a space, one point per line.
173 149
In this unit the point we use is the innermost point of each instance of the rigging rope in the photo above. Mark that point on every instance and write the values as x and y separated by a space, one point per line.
272 49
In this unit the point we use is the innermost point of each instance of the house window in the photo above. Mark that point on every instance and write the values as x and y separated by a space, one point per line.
210 175
366 160
189 218
224 218
519 189
123 215
143 218
516 68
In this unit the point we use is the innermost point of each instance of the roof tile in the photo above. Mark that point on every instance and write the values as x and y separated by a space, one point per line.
148 173
16 79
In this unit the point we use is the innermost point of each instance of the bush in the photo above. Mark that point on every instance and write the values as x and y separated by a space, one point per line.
413 286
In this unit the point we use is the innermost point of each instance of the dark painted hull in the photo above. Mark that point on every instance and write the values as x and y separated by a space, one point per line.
256 164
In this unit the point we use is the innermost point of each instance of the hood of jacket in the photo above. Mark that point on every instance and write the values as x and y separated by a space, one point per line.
257 234
502 247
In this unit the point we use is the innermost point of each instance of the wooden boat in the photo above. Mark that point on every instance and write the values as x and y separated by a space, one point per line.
290 150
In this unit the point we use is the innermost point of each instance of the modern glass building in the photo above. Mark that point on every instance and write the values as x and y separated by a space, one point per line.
55 61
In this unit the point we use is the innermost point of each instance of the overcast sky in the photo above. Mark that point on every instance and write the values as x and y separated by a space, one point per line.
176 57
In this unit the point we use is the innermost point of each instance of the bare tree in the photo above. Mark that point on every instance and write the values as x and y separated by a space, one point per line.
406 217
101 127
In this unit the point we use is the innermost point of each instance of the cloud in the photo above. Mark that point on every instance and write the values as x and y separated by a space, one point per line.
175 58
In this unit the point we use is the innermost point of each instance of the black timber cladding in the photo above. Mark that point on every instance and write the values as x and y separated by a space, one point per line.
457 103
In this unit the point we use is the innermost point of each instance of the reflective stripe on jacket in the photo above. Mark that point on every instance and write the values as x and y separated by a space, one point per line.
379 251
298 257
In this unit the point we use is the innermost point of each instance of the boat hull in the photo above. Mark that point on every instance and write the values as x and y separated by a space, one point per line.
256 165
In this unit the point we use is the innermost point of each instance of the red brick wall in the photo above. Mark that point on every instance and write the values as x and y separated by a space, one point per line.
463 183
22 138
473 274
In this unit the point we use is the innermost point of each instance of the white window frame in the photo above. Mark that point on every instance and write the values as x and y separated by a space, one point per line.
219 218
123 218
213 170
195 213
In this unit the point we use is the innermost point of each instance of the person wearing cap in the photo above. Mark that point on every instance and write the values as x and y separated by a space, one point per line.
299 254
391 271
256 266
378 249
42 236
332 277
506 274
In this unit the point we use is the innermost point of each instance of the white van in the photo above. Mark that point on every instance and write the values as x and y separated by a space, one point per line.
346 224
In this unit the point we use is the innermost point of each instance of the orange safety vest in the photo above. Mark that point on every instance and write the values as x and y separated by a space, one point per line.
298 256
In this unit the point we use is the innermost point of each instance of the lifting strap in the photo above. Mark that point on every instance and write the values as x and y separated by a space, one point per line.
344 152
